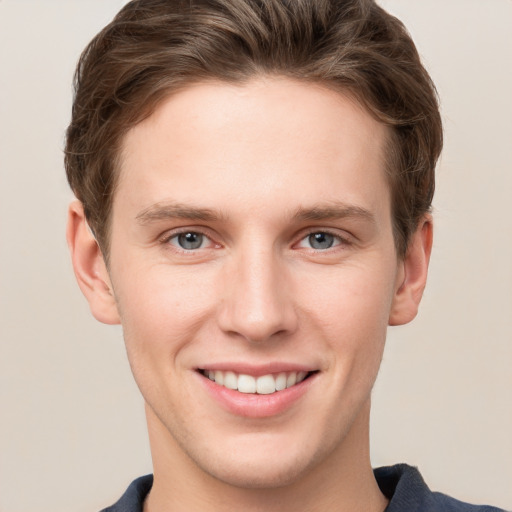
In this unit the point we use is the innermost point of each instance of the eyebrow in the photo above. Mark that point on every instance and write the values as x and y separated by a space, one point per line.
330 211
165 211
334 211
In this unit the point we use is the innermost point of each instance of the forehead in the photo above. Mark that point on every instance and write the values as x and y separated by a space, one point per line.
272 138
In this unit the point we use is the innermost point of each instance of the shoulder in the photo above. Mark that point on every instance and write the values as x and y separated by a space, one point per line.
407 491
133 498
447 504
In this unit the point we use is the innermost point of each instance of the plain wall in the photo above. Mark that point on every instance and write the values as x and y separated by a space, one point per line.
72 430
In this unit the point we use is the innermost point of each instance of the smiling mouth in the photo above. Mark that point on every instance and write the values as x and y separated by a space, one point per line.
262 385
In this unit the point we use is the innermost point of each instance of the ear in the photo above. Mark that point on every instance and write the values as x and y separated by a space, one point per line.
412 274
89 266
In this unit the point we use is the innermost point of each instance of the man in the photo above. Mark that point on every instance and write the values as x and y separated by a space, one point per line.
254 180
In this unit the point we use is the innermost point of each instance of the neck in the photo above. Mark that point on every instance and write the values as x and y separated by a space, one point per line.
341 482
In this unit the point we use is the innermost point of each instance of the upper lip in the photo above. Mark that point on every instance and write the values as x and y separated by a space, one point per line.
257 370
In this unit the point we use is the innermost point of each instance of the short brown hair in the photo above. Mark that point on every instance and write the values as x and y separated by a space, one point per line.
155 47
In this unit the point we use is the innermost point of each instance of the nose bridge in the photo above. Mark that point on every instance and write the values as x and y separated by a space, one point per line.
257 305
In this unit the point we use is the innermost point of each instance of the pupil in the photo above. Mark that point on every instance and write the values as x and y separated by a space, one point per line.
321 240
190 241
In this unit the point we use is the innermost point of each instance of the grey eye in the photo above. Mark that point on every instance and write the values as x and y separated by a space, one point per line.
190 241
321 240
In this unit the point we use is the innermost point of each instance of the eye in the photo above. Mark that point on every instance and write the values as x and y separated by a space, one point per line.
320 241
189 240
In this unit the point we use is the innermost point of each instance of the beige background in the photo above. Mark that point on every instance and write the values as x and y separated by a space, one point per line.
72 432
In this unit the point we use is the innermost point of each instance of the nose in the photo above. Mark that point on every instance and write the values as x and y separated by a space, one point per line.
257 303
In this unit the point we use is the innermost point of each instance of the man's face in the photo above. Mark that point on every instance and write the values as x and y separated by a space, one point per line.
252 237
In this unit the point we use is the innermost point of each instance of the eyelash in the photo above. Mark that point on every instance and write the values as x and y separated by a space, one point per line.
166 239
338 240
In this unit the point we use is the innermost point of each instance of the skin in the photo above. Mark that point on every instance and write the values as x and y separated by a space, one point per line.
256 169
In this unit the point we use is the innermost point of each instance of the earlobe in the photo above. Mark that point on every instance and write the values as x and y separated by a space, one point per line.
89 266
412 275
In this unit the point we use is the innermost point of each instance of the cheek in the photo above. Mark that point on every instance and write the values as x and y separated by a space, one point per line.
161 310
161 316
351 316
354 299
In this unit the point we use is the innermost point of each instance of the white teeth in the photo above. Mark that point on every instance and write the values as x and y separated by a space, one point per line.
230 380
263 385
219 377
281 382
246 384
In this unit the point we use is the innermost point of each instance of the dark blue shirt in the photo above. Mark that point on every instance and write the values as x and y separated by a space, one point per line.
401 484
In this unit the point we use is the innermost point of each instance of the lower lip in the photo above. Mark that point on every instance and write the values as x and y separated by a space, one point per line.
250 405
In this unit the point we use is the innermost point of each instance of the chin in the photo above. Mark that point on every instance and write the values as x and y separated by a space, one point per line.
265 464
269 474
